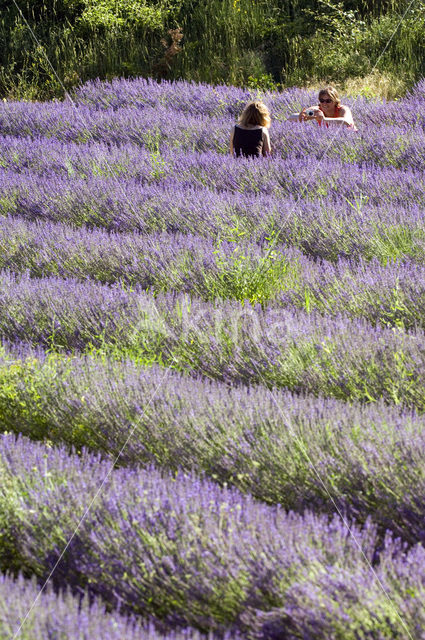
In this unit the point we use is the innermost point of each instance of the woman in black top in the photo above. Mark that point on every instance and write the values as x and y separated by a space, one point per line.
250 137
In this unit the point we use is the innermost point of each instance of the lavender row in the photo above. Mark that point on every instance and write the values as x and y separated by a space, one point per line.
323 228
26 614
151 128
202 99
161 261
158 129
150 107
190 99
275 445
128 165
191 553
393 295
344 358
187 97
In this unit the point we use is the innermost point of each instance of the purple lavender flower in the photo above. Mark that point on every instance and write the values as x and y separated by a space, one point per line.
190 552
286 298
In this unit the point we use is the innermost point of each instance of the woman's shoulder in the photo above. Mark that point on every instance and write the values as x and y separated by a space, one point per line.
255 127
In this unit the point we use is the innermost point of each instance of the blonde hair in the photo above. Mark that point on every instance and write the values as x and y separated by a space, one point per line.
332 93
254 113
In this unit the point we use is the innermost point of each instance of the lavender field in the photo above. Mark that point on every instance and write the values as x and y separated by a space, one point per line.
212 370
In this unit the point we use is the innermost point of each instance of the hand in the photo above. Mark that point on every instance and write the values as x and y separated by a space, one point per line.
303 116
320 116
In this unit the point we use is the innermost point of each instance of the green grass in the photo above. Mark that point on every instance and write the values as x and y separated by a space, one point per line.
260 44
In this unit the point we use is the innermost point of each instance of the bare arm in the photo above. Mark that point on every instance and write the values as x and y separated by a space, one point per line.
302 115
231 141
267 148
337 122
345 118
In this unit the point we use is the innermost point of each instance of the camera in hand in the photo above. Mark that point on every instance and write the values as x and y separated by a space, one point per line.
310 113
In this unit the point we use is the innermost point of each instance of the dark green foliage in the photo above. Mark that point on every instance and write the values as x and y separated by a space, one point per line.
259 44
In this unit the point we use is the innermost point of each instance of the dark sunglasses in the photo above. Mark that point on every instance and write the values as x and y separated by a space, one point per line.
327 100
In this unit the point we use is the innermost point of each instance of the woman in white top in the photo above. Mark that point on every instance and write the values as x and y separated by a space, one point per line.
329 111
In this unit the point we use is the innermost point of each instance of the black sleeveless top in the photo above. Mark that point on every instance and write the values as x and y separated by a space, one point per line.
248 142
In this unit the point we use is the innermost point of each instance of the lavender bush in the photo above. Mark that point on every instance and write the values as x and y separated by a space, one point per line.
275 445
344 358
127 165
27 614
392 295
396 128
197 554
326 229
213 322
